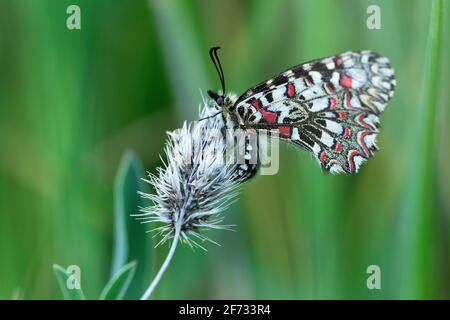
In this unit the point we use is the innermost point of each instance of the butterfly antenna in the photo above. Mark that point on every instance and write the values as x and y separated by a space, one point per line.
209 117
216 61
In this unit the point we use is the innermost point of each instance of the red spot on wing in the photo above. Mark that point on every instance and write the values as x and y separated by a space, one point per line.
329 87
362 143
348 97
351 162
342 115
256 104
269 117
347 133
285 132
290 90
339 62
323 156
346 81
338 147
360 120
333 103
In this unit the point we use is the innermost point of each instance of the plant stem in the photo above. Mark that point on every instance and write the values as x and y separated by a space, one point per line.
165 264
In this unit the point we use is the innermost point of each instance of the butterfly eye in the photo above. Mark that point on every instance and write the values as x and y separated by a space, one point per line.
218 99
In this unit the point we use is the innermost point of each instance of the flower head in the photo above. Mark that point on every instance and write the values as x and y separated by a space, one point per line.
195 184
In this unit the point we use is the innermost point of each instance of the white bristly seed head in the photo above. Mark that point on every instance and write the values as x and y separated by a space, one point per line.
195 184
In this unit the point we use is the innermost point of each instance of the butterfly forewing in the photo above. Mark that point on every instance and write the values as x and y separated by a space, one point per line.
329 107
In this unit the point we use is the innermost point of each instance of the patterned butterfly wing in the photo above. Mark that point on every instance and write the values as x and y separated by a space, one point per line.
329 107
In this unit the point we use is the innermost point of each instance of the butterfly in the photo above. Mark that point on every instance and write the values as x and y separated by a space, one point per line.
329 107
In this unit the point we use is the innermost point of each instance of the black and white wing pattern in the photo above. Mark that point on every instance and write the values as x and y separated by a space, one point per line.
329 106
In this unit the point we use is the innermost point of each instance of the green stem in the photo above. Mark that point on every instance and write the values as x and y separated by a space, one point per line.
165 264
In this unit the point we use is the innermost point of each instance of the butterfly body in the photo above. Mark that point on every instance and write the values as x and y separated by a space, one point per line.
329 107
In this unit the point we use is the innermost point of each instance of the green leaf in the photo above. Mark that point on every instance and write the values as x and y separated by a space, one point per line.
131 242
117 286
62 276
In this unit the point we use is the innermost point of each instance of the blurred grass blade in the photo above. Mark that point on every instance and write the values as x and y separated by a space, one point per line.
62 276
130 239
180 44
117 286
416 238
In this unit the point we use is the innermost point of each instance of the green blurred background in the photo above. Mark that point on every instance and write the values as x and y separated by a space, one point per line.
73 101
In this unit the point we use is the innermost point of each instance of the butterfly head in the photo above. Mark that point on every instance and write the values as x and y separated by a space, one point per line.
218 98
224 103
